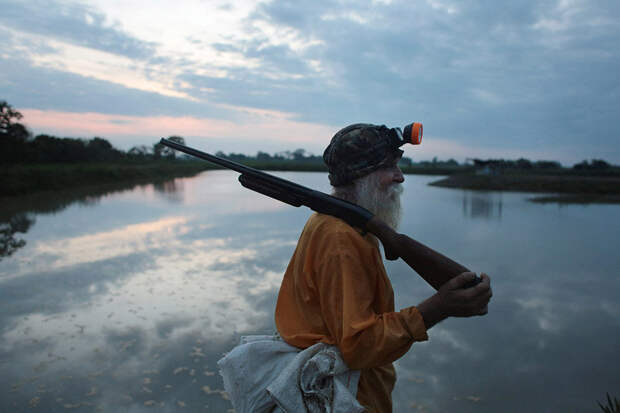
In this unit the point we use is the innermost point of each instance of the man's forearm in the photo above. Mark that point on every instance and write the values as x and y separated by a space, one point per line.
431 311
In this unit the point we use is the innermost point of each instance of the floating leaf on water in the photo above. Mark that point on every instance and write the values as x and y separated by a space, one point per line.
180 403
150 403
128 344
179 370
207 389
416 379
473 398
42 366
209 373
92 392
34 402
196 352
222 393
95 374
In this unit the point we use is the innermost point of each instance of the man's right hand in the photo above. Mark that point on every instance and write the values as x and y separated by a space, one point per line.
456 301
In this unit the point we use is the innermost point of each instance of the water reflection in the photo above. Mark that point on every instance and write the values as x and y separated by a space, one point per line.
125 300
172 189
135 315
486 205
9 227
17 214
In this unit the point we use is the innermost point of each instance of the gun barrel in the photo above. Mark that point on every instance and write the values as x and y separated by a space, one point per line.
283 190
208 157
434 267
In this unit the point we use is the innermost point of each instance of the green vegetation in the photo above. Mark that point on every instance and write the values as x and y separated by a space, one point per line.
24 179
534 183
611 407
586 182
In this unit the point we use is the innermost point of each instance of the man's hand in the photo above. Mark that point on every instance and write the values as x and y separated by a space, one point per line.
456 301
452 300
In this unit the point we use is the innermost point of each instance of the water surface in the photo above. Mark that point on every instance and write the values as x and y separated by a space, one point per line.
123 300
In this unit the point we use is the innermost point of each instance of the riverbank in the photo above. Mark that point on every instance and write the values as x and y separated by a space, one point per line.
26 179
20 179
563 188
565 185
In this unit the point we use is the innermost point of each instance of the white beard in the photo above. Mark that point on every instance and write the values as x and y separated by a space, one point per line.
383 202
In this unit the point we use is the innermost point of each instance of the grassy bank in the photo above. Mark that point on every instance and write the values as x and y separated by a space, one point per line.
19 179
24 179
568 188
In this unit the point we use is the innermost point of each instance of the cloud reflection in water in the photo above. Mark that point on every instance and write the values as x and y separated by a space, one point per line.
141 335
130 309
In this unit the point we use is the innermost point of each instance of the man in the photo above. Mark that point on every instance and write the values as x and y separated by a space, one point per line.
335 289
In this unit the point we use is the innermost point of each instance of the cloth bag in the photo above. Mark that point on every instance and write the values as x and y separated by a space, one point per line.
265 374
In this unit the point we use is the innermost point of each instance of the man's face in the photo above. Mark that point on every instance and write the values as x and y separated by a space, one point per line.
390 175
379 192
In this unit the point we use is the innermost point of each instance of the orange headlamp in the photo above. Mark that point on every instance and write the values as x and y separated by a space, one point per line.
413 133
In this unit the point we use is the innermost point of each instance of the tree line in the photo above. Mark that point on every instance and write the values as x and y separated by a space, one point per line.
18 145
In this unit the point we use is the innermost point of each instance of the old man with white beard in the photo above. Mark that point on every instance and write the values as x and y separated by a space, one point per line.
336 290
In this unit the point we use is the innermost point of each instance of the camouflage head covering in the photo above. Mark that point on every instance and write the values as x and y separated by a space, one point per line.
358 150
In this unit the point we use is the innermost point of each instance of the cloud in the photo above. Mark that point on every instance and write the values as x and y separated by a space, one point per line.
78 24
252 128
534 75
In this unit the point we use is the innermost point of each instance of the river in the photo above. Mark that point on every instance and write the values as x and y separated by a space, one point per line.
124 299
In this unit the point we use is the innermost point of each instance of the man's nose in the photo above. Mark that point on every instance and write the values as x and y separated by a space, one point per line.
398 176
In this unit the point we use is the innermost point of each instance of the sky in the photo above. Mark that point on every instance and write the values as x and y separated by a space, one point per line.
492 79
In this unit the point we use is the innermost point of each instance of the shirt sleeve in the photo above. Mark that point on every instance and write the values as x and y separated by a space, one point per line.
347 298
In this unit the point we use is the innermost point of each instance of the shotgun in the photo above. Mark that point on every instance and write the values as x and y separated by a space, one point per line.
435 268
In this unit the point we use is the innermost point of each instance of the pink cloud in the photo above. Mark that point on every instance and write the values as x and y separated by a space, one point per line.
253 124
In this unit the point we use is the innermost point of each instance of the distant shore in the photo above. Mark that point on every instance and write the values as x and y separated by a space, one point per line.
561 188
22 179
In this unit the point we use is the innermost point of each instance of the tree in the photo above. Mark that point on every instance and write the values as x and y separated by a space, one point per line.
140 152
162 151
594 164
263 156
100 149
7 113
299 154
523 163
547 165
599 164
405 161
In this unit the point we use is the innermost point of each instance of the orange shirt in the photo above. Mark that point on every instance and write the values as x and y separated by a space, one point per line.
336 291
